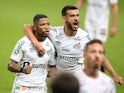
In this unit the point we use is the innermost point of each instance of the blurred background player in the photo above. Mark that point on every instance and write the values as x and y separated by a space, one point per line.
65 83
93 80
32 72
69 41
97 18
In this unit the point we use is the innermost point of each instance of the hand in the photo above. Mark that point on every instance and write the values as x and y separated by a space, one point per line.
113 31
52 72
40 49
27 69
118 79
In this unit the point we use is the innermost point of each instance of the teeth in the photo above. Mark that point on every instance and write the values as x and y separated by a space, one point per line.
75 23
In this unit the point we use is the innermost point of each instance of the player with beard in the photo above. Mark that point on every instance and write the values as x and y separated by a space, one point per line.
69 41
94 81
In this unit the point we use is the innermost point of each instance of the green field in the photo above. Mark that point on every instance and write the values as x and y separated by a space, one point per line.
15 13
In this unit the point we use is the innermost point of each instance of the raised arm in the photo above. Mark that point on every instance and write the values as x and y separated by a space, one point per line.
113 28
80 3
108 66
28 31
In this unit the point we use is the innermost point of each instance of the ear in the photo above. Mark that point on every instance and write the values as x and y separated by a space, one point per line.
64 18
34 28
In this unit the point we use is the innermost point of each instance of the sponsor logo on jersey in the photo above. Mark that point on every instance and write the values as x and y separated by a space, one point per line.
103 32
17 50
24 88
39 66
70 59
88 37
17 87
50 52
77 38
77 46
59 36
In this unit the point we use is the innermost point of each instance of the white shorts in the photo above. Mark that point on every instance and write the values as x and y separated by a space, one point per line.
29 89
97 32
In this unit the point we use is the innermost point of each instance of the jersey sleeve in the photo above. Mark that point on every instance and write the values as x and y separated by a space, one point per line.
113 89
113 1
52 60
18 52
86 39
110 84
52 57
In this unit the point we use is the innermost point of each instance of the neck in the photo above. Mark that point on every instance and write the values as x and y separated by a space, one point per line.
93 73
69 32
39 37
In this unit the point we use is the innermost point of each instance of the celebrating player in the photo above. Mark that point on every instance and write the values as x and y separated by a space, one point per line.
69 41
32 72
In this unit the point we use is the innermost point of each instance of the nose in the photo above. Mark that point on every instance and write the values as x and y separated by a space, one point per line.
97 55
47 27
76 17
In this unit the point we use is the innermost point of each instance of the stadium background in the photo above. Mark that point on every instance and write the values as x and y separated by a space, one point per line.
15 13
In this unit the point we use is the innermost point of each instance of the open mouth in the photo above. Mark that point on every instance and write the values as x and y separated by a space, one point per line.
75 23
46 32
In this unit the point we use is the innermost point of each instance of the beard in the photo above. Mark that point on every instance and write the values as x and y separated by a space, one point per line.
70 26
41 37
96 66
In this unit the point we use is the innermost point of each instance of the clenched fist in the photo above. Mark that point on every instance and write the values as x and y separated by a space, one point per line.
27 69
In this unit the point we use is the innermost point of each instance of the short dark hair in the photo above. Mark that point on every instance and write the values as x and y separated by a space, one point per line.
38 16
94 41
65 83
69 7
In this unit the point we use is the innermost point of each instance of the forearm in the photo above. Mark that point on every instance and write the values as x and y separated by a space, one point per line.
52 71
28 29
109 68
80 3
13 67
114 15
